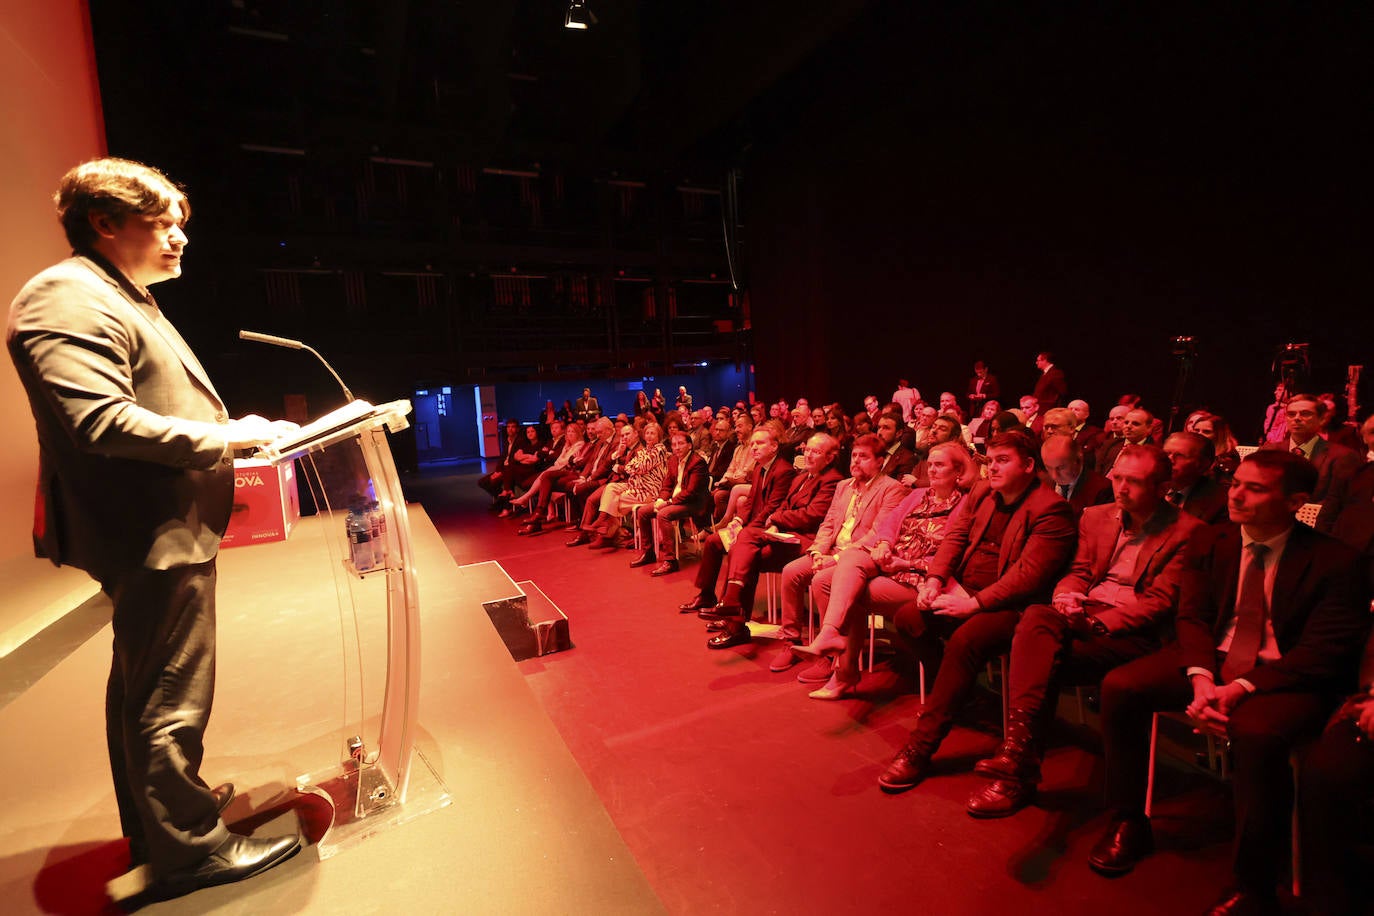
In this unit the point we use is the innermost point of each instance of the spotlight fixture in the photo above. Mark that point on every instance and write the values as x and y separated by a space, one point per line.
578 17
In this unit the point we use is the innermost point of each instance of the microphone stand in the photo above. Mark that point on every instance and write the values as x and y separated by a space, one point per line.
289 344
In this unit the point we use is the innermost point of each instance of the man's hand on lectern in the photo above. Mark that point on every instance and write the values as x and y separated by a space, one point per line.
252 431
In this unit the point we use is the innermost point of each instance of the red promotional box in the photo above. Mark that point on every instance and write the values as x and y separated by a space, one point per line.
266 505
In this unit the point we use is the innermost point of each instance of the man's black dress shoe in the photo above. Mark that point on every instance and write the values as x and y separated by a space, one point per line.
1126 842
715 626
223 794
236 858
664 568
722 612
582 538
1245 903
531 527
725 639
697 604
1001 798
644 559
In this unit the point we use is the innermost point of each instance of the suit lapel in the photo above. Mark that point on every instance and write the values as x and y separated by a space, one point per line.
1227 568
981 517
153 316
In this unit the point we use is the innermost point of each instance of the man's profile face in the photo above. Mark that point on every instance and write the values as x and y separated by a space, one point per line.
146 249
743 427
720 431
1256 497
1041 363
1186 458
818 454
762 447
1079 409
887 431
1007 470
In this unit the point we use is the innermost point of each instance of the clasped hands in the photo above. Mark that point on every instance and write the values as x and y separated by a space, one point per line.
253 431
959 607
1211 708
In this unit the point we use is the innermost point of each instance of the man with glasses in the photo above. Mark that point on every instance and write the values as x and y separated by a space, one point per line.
1335 464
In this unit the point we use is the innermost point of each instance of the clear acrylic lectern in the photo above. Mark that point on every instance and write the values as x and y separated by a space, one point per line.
382 779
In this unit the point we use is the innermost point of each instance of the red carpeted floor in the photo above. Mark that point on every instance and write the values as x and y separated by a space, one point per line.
739 794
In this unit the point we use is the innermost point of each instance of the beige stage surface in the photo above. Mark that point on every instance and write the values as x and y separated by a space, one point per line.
525 832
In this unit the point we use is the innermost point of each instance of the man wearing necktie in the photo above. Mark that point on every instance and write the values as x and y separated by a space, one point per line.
1271 618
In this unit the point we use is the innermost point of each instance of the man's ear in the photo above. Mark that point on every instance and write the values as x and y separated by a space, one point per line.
102 223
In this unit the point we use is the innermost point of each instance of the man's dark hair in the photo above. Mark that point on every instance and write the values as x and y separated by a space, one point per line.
1019 441
1005 422
117 188
1319 404
1046 355
870 442
1296 474
1207 449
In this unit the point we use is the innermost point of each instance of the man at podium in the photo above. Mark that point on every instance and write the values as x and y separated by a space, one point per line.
136 482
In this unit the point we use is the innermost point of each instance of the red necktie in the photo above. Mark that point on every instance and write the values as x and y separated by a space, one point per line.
1250 613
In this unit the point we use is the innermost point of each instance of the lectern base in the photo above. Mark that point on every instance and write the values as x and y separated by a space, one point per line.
365 803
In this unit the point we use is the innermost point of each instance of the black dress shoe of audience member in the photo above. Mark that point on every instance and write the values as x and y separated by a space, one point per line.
534 526
730 637
644 559
1126 842
1001 798
600 542
722 612
1237 902
907 769
665 568
700 602
235 859
715 626
581 538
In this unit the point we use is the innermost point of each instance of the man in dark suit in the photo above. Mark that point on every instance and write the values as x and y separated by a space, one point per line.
1111 608
897 460
1335 464
1051 386
768 484
685 493
1192 488
587 408
757 547
1003 551
1271 618
136 482
1088 436
721 449
983 387
1136 424
1064 472
583 474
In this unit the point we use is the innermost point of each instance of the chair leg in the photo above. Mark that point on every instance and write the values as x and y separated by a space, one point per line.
1150 770
1296 843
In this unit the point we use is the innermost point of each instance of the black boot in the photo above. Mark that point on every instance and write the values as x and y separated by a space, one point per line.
1018 758
912 763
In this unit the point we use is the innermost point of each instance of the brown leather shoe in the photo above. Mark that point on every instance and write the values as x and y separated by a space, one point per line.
646 558
907 769
665 568
1001 798
1126 842
582 538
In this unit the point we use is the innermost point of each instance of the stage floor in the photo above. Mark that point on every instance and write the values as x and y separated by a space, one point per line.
525 832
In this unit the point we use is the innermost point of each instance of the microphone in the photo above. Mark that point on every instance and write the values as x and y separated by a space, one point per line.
290 344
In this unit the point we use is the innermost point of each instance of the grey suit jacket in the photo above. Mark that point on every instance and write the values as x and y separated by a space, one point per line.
134 464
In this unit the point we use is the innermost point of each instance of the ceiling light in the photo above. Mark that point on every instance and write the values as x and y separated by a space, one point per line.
578 17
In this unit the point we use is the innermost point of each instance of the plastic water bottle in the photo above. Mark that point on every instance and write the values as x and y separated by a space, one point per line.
360 552
376 524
